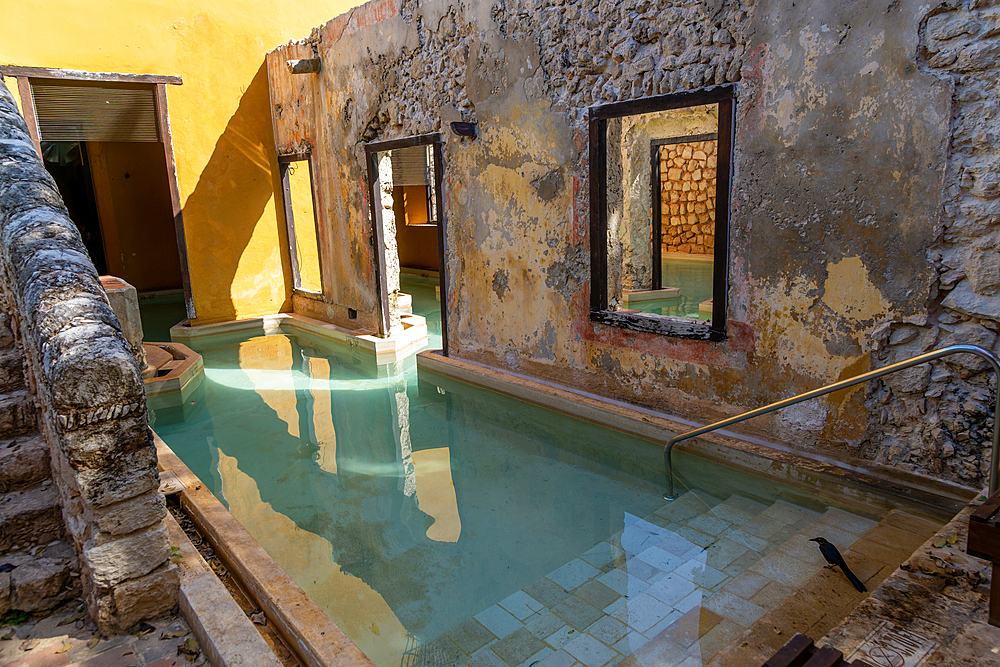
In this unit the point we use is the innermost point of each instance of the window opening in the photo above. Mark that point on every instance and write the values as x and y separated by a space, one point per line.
660 181
300 219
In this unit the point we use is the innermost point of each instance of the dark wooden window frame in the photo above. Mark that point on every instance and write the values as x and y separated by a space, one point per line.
725 97
23 76
657 202
378 240
284 163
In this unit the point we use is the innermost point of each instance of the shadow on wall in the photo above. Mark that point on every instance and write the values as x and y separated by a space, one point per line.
226 207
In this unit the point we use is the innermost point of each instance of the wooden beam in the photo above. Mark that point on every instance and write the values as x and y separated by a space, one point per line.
175 196
28 111
80 75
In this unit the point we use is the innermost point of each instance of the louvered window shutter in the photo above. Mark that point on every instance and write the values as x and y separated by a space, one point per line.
78 111
411 166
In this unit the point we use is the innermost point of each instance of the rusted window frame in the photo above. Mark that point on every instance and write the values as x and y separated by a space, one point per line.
378 238
598 116
284 163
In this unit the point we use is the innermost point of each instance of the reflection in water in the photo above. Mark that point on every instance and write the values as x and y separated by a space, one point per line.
400 507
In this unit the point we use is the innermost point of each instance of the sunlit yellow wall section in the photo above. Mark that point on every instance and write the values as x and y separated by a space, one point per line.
304 224
223 140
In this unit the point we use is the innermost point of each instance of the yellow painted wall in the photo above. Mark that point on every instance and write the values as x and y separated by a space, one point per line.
303 215
220 117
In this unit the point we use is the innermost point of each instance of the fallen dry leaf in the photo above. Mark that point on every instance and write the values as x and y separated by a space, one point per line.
65 648
174 634
94 641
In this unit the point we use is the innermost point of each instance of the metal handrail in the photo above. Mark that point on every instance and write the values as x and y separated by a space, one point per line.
843 384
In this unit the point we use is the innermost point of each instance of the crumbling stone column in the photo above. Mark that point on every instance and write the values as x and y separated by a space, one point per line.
88 390
391 249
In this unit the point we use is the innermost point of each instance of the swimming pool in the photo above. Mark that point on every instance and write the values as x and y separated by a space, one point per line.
693 277
438 523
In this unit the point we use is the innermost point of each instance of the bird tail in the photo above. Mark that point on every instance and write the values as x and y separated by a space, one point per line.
853 578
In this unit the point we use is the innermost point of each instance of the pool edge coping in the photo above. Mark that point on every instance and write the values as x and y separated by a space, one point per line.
945 497
312 635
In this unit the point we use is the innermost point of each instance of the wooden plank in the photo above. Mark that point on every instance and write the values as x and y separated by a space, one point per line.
984 541
378 240
663 102
987 511
791 652
106 216
597 130
442 228
406 142
723 180
175 197
79 75
658 324
293 254
825 657
28 111
994 612
656 213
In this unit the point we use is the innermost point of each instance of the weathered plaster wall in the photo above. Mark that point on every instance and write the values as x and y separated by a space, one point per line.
842 164
223 144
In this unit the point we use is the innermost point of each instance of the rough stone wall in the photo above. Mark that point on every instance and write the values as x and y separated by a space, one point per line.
862 197
687 197
88 392
937 419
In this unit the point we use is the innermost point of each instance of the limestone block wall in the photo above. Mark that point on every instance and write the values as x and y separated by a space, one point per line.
687 197
88 393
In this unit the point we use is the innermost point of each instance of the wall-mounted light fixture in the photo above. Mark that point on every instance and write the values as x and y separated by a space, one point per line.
464 129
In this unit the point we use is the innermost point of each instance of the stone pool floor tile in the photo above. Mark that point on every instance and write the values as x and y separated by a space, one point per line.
558 658
573 574
547 592
543 624
602 554
517 647
609 630
734 608
597 594
577 612
498 621
679 595
589 651
470 635
520 605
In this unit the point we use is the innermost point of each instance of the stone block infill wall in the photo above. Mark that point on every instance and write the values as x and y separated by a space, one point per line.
687 197
88 393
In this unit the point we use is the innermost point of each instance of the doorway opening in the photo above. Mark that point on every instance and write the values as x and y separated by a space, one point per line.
105 139
407 214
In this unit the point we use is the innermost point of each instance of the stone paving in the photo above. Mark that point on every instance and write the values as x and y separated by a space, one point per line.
686 586
68 638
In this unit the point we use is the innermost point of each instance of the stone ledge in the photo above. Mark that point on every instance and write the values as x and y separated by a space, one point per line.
937 600
386 350
308 631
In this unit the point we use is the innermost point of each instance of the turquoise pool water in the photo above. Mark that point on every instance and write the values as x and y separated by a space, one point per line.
159 313
441 524
693 277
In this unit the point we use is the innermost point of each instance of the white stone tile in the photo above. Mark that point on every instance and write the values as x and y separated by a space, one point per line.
561 637
602 554
521 605
736 609
691 601
557 659
484 657
662 625
536 659
631 643
609 630
660 559
701 574
589 651
851 523
573 574
498 621
622 582
788 513
645 611
543 624
671 589
709 523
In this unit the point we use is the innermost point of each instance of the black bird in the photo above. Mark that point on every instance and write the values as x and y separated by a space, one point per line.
833 557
